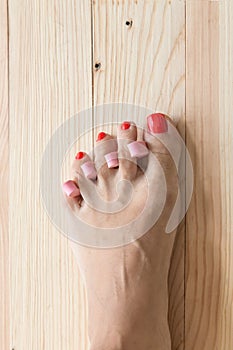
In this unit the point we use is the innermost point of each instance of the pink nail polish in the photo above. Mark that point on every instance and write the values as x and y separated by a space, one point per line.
70 189
157 123
112 159
89 170
138 149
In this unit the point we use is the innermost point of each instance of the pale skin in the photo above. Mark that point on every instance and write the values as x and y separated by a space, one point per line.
127 286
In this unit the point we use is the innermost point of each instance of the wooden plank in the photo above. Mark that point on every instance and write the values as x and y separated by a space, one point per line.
209 263
50 55
50 81
4 184
203 263
144 64
225 336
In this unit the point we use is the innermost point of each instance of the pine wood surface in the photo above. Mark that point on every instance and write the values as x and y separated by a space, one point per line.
176 57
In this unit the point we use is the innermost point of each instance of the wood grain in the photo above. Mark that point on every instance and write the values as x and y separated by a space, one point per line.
50 81
144 64
225 334
4 183
176 57
209 287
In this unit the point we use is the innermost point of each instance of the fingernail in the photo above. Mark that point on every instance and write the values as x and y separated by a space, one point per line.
138 149
70 189
101 136
112 159
125 126
157 123
89 170
79 155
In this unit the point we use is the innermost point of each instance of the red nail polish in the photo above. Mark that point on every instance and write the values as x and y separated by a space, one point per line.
101 136
79 155
125 125
157 123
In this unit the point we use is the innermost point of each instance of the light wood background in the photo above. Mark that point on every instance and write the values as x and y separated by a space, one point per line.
177 57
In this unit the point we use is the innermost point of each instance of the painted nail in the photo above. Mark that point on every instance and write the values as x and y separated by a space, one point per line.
101 136
70 189
89 170
79 155
138 149
112 159
125 126
157 123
